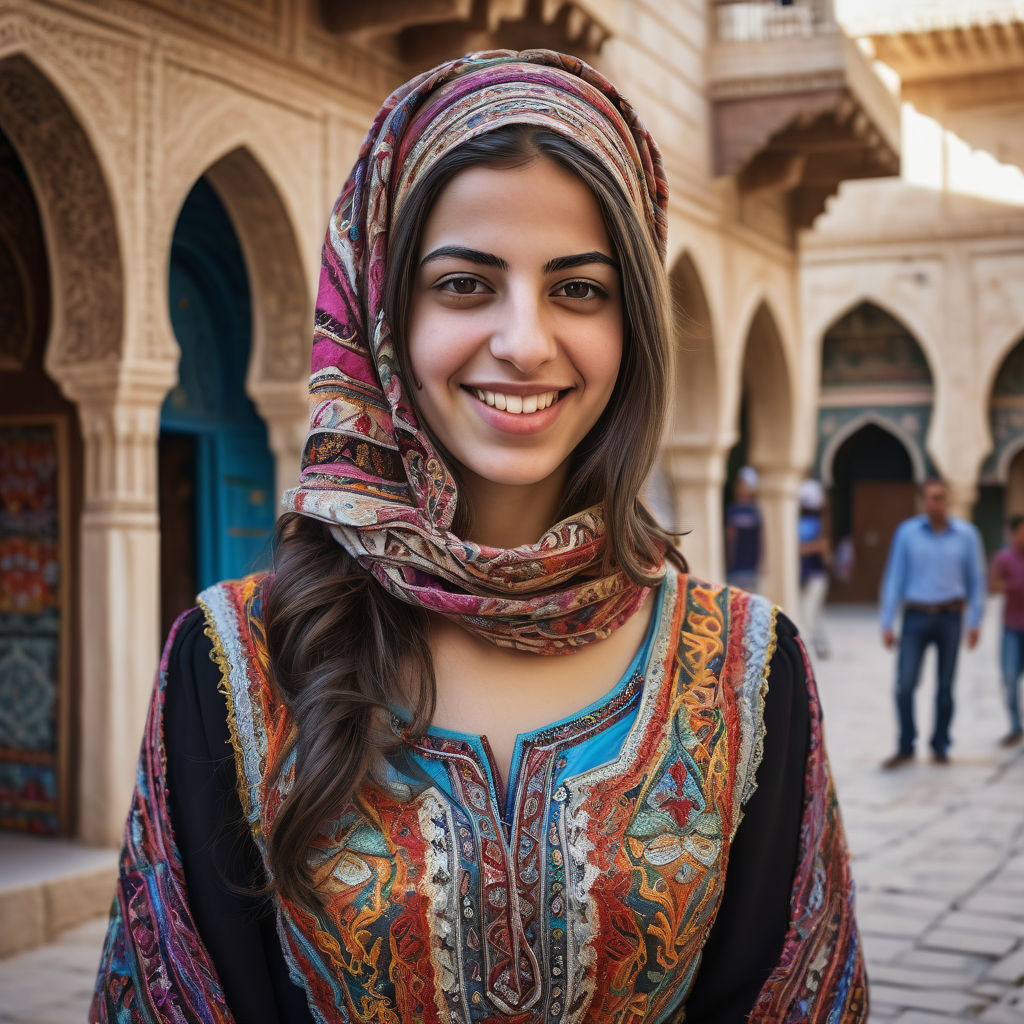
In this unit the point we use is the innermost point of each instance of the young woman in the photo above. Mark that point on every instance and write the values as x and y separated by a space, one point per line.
494 755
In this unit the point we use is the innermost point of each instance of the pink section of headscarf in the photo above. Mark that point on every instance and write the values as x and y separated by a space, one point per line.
368 468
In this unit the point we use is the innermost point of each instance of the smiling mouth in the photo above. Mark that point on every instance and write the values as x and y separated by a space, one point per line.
517 404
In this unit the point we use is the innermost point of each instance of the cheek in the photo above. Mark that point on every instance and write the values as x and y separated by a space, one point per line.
602 357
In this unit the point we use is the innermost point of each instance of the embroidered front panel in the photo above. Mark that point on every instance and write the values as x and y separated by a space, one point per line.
580 897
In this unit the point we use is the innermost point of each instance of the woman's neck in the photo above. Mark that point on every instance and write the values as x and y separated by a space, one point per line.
511 515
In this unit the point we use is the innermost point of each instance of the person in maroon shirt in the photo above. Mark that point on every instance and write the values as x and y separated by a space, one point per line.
1006 576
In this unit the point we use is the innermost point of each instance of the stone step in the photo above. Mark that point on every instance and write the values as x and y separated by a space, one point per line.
48 886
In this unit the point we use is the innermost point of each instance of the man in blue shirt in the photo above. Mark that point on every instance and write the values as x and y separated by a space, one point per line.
935 571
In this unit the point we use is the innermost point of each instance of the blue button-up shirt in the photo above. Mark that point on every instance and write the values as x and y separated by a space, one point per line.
931 568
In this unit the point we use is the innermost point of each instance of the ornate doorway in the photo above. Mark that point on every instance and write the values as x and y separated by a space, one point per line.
217 501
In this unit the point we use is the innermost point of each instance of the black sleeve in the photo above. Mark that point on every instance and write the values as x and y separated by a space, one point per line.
221 862
747 937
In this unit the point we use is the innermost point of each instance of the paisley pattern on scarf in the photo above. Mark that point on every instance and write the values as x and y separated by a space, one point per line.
368 467
590 902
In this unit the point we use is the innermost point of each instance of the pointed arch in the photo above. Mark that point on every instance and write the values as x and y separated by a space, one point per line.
767 390
870 418
696 386
908 317
880 312
77 212
281 312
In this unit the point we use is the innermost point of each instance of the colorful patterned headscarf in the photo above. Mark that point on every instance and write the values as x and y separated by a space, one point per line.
368 467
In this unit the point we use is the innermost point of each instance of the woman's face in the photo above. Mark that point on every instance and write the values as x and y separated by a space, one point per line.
515 326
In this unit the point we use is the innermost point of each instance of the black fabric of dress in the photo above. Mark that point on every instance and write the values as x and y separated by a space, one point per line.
222 864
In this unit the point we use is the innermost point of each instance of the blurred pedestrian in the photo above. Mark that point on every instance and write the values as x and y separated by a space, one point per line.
1006 576
935 571
815 557
743 529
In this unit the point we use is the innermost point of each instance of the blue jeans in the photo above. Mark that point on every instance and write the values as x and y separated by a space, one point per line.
919 630
1011 659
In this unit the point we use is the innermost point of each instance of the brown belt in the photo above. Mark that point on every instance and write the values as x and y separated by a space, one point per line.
935 609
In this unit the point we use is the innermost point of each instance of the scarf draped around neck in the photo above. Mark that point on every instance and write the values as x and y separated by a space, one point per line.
368 467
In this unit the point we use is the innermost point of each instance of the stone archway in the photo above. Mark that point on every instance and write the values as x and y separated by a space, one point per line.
116 400
693 455
278 370
876 382
1001 482
77 213
765 425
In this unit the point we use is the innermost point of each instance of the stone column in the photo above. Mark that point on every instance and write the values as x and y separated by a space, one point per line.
778 491
962 497
284 407
697 473
119 574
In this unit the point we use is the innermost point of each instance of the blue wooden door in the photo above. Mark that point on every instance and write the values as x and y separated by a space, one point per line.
233 500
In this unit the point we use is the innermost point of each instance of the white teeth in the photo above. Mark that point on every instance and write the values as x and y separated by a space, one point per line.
516 403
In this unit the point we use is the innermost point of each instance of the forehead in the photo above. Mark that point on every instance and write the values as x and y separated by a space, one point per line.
538 200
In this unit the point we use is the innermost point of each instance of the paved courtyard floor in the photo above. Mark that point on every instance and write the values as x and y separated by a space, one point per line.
938 853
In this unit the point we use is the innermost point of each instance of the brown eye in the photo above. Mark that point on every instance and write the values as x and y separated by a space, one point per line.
461 285
580 290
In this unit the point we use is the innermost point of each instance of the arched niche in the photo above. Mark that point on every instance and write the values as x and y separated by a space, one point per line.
216 472
764 426
1006 414
1001 482
766 406
873 369
61 314
695 388
77 216
281 313
282 319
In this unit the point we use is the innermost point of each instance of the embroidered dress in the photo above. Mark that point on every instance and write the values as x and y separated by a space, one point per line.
586 895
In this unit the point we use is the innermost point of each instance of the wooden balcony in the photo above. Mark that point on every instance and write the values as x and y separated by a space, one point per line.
797 107
430 30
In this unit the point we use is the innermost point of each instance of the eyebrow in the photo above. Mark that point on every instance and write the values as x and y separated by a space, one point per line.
489 259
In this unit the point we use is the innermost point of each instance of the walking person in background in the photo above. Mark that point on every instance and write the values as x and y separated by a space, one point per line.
815 556
1006 576
934 571
743 530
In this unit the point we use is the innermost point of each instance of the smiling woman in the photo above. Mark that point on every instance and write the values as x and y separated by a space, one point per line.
495 756
514 351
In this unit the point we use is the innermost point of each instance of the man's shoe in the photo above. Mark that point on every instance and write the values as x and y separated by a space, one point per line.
896 761
1012 739
940 757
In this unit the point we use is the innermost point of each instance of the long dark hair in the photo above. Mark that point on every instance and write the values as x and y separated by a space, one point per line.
342 650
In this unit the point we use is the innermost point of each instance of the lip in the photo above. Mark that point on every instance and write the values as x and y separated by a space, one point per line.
517 389
516 422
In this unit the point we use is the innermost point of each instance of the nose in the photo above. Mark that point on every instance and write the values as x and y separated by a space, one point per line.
525 335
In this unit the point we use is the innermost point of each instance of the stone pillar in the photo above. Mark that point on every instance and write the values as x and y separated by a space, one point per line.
284 407
119 575
697 473
778 491
962 498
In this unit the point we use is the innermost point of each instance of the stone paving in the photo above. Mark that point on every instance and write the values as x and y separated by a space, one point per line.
938 850
938 853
